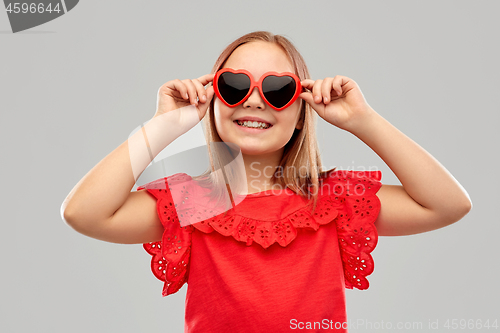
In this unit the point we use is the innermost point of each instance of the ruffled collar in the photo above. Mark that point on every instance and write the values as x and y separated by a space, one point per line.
267 218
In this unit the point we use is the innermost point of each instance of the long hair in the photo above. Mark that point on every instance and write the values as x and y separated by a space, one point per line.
300 165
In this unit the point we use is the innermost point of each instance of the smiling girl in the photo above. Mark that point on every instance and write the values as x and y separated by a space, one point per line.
283 253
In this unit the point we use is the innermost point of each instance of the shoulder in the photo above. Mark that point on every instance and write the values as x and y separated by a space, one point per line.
162 183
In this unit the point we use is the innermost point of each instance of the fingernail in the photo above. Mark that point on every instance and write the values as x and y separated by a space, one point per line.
325 100
203 98
317 99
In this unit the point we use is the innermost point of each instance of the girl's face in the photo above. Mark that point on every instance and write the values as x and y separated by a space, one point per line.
257 58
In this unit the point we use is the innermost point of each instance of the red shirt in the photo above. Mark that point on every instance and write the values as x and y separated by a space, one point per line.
269 264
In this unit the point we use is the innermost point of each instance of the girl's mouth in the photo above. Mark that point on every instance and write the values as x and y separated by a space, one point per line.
252 124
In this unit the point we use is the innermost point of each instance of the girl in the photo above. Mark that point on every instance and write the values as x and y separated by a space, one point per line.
280 257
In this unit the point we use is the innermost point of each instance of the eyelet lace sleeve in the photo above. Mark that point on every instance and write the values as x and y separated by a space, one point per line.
170 256
356 231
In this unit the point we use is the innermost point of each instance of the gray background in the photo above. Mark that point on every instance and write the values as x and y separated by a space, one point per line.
72 90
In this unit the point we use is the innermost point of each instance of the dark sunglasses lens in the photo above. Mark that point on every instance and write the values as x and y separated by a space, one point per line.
233 87
279 90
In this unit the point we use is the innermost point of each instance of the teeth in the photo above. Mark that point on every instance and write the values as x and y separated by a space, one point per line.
253 124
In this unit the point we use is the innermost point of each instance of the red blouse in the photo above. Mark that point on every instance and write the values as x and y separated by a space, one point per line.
269 264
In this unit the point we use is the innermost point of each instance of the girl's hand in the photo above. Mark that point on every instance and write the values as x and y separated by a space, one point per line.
176 94
338 100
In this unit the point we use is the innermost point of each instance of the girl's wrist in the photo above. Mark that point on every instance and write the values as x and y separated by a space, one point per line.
372 129
364 123
158 133
178 121
162 129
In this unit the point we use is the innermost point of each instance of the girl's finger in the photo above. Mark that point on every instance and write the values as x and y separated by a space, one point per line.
308 97
205 79
177 85
337 84
193 94
326 89
307 83
210 93
202 108
316 91
202 95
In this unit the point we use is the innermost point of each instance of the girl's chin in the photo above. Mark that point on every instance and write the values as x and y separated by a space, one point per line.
249 148
253 152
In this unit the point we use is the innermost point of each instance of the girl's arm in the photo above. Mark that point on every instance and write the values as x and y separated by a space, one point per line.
101 204
429 198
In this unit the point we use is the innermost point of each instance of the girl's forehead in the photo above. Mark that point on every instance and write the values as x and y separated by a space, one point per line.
259 58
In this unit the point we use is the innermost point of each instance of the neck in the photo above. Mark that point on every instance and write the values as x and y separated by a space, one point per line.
260 170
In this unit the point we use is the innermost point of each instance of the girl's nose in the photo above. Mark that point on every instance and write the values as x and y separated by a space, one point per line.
254 101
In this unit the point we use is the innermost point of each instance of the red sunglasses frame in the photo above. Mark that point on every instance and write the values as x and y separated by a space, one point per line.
258 84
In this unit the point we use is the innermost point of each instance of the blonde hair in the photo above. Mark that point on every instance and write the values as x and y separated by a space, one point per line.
300 153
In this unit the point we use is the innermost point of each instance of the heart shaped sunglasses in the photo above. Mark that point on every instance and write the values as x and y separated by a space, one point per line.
278 90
